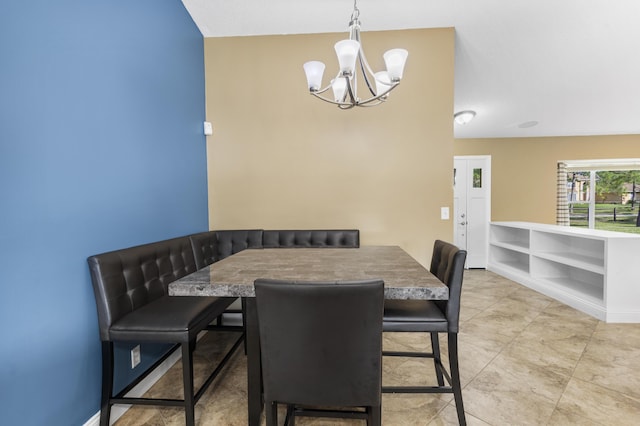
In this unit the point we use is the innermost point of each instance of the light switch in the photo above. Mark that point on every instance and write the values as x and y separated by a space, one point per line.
444 213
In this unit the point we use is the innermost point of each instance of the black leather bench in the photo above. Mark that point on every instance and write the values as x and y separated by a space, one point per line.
131 292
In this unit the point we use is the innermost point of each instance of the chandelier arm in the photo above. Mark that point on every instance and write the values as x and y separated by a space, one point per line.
353 95
342 105
348 105
364 63
316 94
320 91
380 98
369 105
354 34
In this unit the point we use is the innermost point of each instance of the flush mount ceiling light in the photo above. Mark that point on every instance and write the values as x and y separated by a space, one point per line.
345 84
463 117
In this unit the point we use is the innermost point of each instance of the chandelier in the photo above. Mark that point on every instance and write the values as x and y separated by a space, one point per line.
345 84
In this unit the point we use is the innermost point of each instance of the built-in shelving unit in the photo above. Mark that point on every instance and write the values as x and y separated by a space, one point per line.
594 271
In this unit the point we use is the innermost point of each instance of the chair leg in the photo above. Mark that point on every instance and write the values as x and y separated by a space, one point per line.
374 417
187 379
437 361
107 383
455 377
243 303
291 415
271 413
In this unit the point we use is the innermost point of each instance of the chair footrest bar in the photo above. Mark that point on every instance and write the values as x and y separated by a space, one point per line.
215 327
315 412
417 389
149 401
408 354
218 369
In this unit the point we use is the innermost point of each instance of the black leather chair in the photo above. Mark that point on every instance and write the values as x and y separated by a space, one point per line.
130 287
321 346
447 263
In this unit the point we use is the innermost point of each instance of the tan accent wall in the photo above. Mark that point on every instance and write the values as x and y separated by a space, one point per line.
524 169
279 158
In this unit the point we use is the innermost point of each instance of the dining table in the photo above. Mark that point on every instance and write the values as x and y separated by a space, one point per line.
403 276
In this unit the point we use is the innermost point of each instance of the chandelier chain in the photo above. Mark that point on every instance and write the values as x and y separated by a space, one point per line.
356 12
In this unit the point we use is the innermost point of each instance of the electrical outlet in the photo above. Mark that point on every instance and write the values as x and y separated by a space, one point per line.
135 356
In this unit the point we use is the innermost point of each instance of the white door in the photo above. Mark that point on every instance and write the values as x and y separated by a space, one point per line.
472 207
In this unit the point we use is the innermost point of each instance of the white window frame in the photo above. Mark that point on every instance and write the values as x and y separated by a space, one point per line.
594 166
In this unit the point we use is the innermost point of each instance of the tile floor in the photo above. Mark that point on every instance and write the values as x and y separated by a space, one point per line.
525 359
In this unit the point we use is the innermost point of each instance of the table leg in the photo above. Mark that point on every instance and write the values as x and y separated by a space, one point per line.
254 367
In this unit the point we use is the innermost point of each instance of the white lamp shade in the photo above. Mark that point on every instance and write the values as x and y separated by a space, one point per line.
395 59
314 71
339 86
383 82
347 51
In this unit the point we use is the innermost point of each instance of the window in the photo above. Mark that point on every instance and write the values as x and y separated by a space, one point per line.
477 178
600 194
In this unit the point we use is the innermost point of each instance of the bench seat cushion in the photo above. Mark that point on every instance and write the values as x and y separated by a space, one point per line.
169 319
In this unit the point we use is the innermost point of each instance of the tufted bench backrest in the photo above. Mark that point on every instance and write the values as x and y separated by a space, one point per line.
232 242
126 279
347 238
212 246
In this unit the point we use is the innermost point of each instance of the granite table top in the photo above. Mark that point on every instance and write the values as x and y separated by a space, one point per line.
403 276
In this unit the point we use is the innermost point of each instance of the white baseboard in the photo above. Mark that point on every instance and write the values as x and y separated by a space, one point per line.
118 410
94 420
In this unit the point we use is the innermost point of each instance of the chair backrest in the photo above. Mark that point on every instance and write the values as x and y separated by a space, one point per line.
321 343
447 263
334 238
212 246
126 279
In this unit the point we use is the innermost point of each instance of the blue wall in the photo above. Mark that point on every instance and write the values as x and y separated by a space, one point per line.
101 147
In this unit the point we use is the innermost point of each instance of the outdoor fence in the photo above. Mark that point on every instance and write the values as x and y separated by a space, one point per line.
614 216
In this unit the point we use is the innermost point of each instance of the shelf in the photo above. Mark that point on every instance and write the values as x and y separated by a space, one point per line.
570 278
512 245
510 236
592 293
593 264
518 266
514 259
577 250
590 270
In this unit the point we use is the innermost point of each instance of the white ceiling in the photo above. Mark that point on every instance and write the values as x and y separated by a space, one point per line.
573 66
